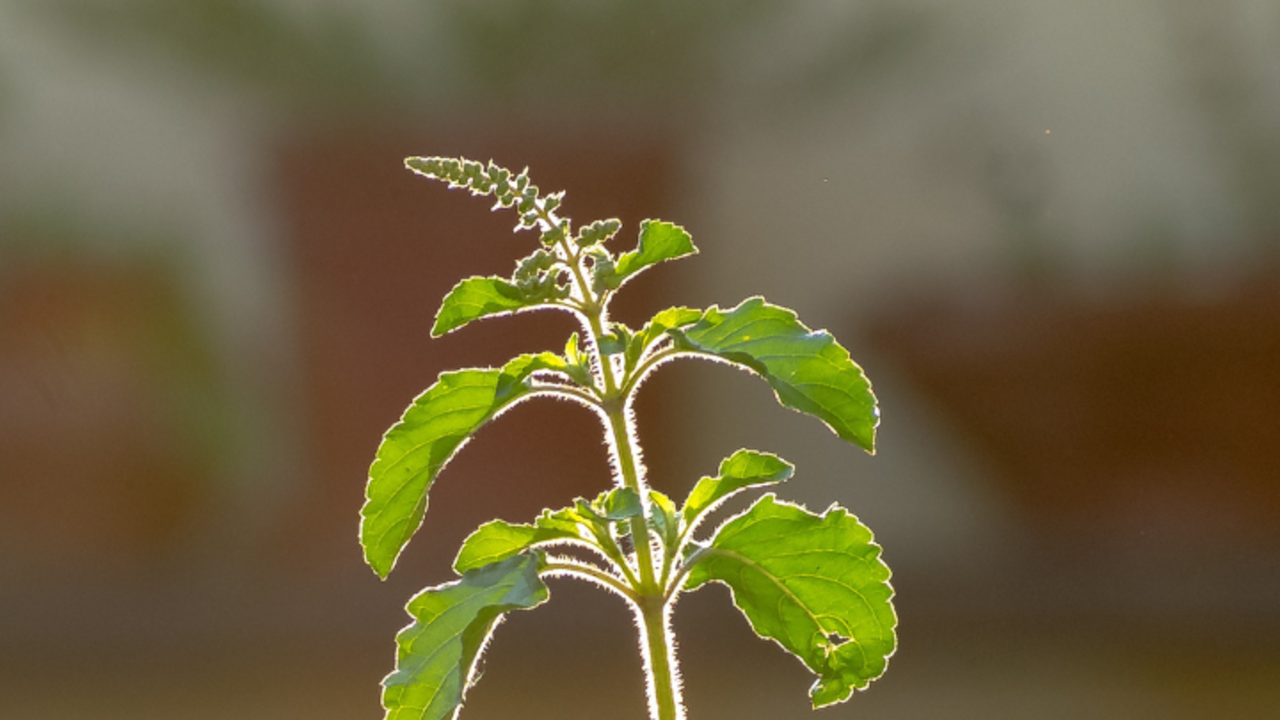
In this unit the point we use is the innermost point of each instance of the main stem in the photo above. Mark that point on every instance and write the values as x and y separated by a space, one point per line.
653 617
653 621
664 684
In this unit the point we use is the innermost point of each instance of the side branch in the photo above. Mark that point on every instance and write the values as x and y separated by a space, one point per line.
557 566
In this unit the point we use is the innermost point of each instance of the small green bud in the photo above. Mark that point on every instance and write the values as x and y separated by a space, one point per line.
598 232
616 340
604 275
556 234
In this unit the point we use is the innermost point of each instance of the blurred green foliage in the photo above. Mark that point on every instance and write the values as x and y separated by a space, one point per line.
327 54
548 51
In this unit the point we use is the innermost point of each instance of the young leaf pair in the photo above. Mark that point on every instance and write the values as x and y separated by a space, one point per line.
813 583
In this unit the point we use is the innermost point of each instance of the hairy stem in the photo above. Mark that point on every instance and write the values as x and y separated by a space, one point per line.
665 702
629 467
584 571
647 591
657 647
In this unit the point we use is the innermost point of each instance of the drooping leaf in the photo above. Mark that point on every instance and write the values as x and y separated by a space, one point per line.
475 298
437 655
658 241
744 469
809 371
813 583
412 454
416 449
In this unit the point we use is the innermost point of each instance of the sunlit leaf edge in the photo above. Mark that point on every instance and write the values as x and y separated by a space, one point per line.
501 389
525 590
821 695
859 428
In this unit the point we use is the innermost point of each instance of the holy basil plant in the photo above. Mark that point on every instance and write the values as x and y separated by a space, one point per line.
813 583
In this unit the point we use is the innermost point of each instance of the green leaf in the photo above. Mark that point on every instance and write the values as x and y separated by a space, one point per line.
813 583
438 653
658 241
578 363
573 352
616 340
740 471
619 504
600 516
585 521
498 540
809 371
518 370
666 519
416 449
475 298
657 328
412 454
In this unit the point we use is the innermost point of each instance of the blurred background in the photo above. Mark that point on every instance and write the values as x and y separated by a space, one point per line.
1050 232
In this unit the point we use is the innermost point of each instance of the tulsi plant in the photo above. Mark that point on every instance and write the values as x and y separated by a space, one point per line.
813 583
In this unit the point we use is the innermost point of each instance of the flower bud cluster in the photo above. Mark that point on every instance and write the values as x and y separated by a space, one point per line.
541 277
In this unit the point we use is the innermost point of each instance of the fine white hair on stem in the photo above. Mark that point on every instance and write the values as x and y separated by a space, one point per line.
474 672
633 439
615 453
565 566
577 544
646 653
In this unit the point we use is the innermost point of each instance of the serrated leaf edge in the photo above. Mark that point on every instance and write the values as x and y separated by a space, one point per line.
688 348
500 406
709 549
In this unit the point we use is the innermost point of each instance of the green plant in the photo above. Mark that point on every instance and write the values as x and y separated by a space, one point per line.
813 583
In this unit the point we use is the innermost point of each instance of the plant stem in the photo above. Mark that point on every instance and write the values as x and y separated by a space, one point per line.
630 470
660 661
650 596
658 651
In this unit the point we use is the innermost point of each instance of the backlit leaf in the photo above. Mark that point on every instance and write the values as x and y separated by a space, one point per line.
518 370
475 298
809 371
438 653
658 241
498 540
813 583
416 449
657 328
619 504
584 521
665 518
744 469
